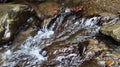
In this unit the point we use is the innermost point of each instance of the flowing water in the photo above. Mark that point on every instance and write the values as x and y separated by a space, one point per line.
55 44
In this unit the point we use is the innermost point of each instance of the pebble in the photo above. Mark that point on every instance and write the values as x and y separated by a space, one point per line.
109 63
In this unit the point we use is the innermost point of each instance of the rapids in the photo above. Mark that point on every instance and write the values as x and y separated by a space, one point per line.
63 33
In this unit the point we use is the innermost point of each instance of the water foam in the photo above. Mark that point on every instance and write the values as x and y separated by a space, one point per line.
29 50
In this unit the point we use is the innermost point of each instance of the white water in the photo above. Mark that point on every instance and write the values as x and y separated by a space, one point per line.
28 53
29 50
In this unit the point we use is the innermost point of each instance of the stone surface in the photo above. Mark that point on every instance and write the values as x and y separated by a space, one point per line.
48 8
92 6
12 16
111 30
100 6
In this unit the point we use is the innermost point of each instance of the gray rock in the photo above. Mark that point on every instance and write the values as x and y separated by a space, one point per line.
111 30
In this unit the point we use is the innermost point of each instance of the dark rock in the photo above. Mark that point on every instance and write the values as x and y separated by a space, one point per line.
5 1
90 63
12 17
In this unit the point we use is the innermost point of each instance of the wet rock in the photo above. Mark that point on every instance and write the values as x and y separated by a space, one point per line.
98 50
70 54
91 48
93 6
90 63
12 16
108 59
111 54
100 6
109 63
48 8
111 30
46 22
64 55
106 14
68 3
22 36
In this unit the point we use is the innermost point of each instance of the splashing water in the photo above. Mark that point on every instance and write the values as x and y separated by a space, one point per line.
29 50
29 53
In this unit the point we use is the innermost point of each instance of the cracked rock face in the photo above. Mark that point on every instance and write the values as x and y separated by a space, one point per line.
12 16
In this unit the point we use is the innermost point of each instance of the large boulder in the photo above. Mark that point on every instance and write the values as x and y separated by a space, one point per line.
12 16
111 30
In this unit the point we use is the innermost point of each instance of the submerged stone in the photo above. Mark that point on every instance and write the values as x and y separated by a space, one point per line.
112 31
12 16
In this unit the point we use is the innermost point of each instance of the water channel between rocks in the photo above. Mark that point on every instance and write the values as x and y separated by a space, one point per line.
60 44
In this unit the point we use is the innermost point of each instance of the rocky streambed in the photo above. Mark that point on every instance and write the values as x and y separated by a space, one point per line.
57 33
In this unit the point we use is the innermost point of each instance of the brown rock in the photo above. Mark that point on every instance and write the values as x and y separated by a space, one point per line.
90 63
48 8
100 6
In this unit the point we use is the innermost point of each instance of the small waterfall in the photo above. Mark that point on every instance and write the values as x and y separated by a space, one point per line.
31 53
29 50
